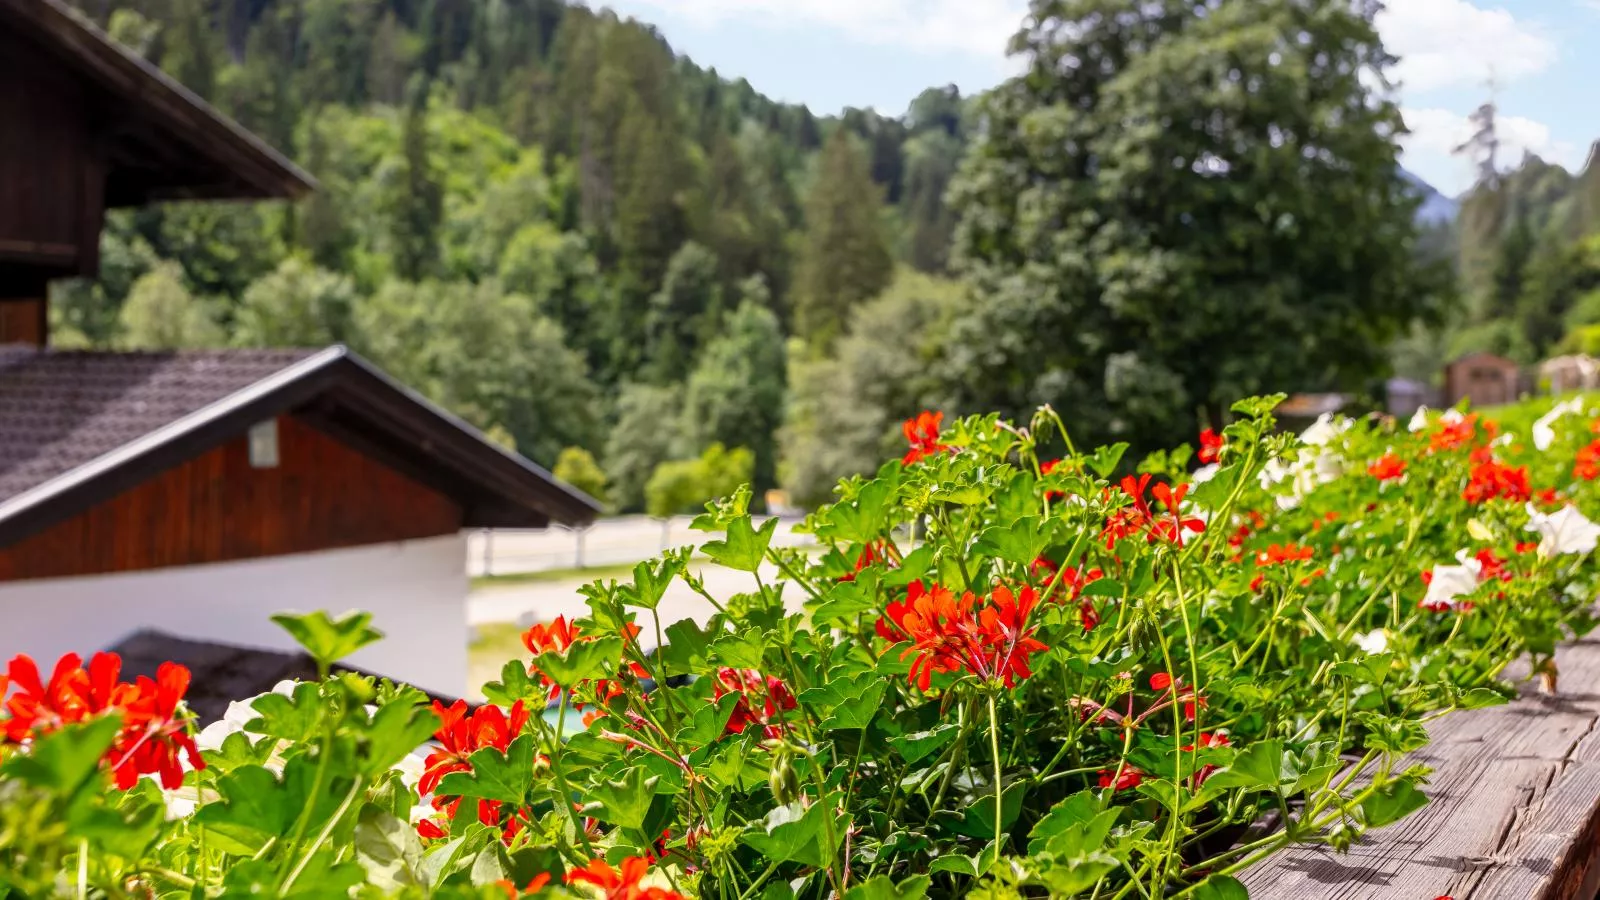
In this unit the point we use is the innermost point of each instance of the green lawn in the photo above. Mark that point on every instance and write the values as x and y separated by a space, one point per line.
545 576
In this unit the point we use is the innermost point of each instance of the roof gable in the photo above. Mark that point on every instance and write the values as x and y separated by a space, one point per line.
162 142
81 427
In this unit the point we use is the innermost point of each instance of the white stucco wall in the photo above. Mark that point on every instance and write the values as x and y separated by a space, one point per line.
416 591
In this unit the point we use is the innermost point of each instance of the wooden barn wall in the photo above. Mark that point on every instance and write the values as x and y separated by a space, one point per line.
323 494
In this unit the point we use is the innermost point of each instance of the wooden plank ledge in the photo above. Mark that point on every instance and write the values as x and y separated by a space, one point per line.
1514 811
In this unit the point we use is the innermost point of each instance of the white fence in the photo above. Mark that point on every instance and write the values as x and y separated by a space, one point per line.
622 540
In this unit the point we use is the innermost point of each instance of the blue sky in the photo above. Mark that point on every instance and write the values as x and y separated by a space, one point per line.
1544 55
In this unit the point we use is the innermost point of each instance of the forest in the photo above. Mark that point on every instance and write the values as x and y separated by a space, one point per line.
657 281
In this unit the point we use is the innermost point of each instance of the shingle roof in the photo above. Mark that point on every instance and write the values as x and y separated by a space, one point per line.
60 410
221 673
77 428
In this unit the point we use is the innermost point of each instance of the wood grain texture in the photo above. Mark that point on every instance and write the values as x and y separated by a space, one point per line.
217 507
1514 811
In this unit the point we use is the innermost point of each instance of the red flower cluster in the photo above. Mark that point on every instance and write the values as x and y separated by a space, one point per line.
769 692
560 635
1207 740
1279 554
876 551
922 433
994 641
1210 446
1387 467
1493 566
1139 518
1587 464
1451 435
154 732
624 884
1071 583
1121 779
462 733
1491 478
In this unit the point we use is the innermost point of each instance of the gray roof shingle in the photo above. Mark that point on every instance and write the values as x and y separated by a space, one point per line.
60 410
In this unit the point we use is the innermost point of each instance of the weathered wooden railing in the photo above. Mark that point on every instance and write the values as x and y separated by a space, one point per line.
1515 811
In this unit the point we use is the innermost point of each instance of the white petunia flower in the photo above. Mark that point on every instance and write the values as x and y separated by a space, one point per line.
1452 582
1543 434
1374 641
1419 420
1205 473
1325 429
1452 417
1563 531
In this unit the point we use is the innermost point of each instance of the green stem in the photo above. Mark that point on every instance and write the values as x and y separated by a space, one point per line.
999 792
338 816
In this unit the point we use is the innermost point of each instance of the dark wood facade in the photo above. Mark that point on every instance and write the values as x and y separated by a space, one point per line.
1482 379
85 125
216 507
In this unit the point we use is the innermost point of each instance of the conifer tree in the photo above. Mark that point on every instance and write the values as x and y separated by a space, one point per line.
844 257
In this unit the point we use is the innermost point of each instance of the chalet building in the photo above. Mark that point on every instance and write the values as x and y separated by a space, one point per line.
192 494
1482 379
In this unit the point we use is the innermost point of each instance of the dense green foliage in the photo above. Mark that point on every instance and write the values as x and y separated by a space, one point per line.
542 218
1527 245
524 207
1004 676
1212 208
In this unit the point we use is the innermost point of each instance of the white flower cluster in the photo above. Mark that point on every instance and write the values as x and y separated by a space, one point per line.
1311 469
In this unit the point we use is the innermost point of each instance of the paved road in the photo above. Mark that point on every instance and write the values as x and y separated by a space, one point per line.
625 539
543 601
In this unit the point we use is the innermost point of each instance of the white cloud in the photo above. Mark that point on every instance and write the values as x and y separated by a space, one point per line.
1453 43
1435 133
980 27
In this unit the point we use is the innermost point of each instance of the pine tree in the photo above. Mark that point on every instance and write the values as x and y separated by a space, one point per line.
844 258
417 201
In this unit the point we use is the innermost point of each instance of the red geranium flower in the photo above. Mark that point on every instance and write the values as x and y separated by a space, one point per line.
1279 554
462 733
154 738
1210 446
1140 518
1160 681
1387 467
621 885
1121 779
1491 479
947 635
922 433
1451 435
768 691
1587 464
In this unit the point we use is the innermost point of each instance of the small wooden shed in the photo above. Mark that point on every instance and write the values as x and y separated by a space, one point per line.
1483 379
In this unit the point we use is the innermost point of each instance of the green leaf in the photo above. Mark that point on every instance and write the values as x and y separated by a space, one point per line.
851 703
389 849
1020 541
624 802
882 887
1391 803
848 599
67 761
745 547
1480 698
516 684
742 649
919 744
1104 460
327 639
651 580
397 728
688 647
1221 887
1392 733
1072 876
1258 766
1256 407
1072 827
978 817
293 718
495 776
709 721
254 808
797 834
582 661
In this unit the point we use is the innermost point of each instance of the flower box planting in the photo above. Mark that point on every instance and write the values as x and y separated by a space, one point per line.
1018 668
